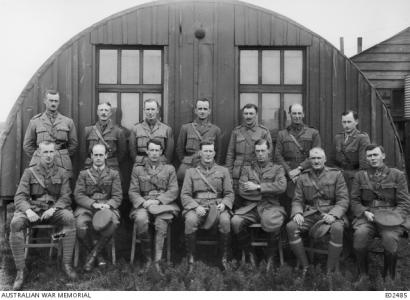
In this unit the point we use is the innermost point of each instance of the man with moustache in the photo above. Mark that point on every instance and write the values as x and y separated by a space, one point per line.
207 198
350 147
53 127
259 186
151 128
106 133
378 193
241 147
153 192
98 195
192 134
321 200
43 196
292 149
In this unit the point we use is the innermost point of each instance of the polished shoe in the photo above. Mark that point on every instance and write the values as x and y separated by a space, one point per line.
89 264
69 271
224 263
270 265
190 264
19 281
101 262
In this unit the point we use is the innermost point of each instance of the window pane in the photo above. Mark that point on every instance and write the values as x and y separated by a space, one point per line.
130 104
249 67
130 66
270 110
293 67
271 67
152 67
112 99
290 99
108 66
246 98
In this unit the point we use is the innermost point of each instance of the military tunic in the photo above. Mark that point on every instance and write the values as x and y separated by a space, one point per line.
106 189
332 199
188 144
351 153
261 205
195 190
142 133
31 195
241 148
388 190
62 132
158 183
113 136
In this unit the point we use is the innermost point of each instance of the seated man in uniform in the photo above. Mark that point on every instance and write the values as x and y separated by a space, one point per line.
321 201
98 195
259 186
207 198
378 193
153 192
43 195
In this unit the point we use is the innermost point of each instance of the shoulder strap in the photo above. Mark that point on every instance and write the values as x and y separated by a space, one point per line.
40 181
206 181
196 131
92 177
101 137
315 185
296 142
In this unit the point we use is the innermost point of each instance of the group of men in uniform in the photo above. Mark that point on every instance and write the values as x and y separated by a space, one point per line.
256 185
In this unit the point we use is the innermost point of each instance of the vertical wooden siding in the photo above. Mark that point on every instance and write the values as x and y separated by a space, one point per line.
206 67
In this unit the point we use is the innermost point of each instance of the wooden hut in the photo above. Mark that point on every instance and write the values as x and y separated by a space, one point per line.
387 65
229 51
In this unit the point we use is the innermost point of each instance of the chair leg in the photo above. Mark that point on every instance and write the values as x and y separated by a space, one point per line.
311 253
134 237
169 244
27 241
280 249
113 254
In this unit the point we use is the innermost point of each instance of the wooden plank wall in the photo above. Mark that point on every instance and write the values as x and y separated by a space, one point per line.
387 63
206 67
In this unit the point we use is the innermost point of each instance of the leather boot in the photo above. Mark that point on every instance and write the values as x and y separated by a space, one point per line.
244 243
299 251
69 271
224 242
390 260
146 250
93 254
19 281
272 242
190 245
333 257
362 264
159 245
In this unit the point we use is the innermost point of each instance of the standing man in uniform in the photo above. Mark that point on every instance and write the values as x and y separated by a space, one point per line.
350 147
151 128
43 195
53 127
292 149
207 198
378 193
260 185
192 134
153 192
98 195
321 200
106 133
241 148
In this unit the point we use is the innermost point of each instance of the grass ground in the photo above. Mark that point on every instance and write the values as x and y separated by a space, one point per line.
44 274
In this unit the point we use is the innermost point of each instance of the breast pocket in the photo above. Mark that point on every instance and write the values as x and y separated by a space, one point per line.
192 143
389 191
62 132
55 186
366 193
240 144
142 141
35 187
218 181
42 134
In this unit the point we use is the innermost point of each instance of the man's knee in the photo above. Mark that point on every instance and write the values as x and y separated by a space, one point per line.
336 231
18 224
161 225
66 218
191 222
141 220
390 240
224 223
236 223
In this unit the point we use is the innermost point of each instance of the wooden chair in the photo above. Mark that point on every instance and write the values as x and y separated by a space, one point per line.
135 240
113 251
257 240
33 240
